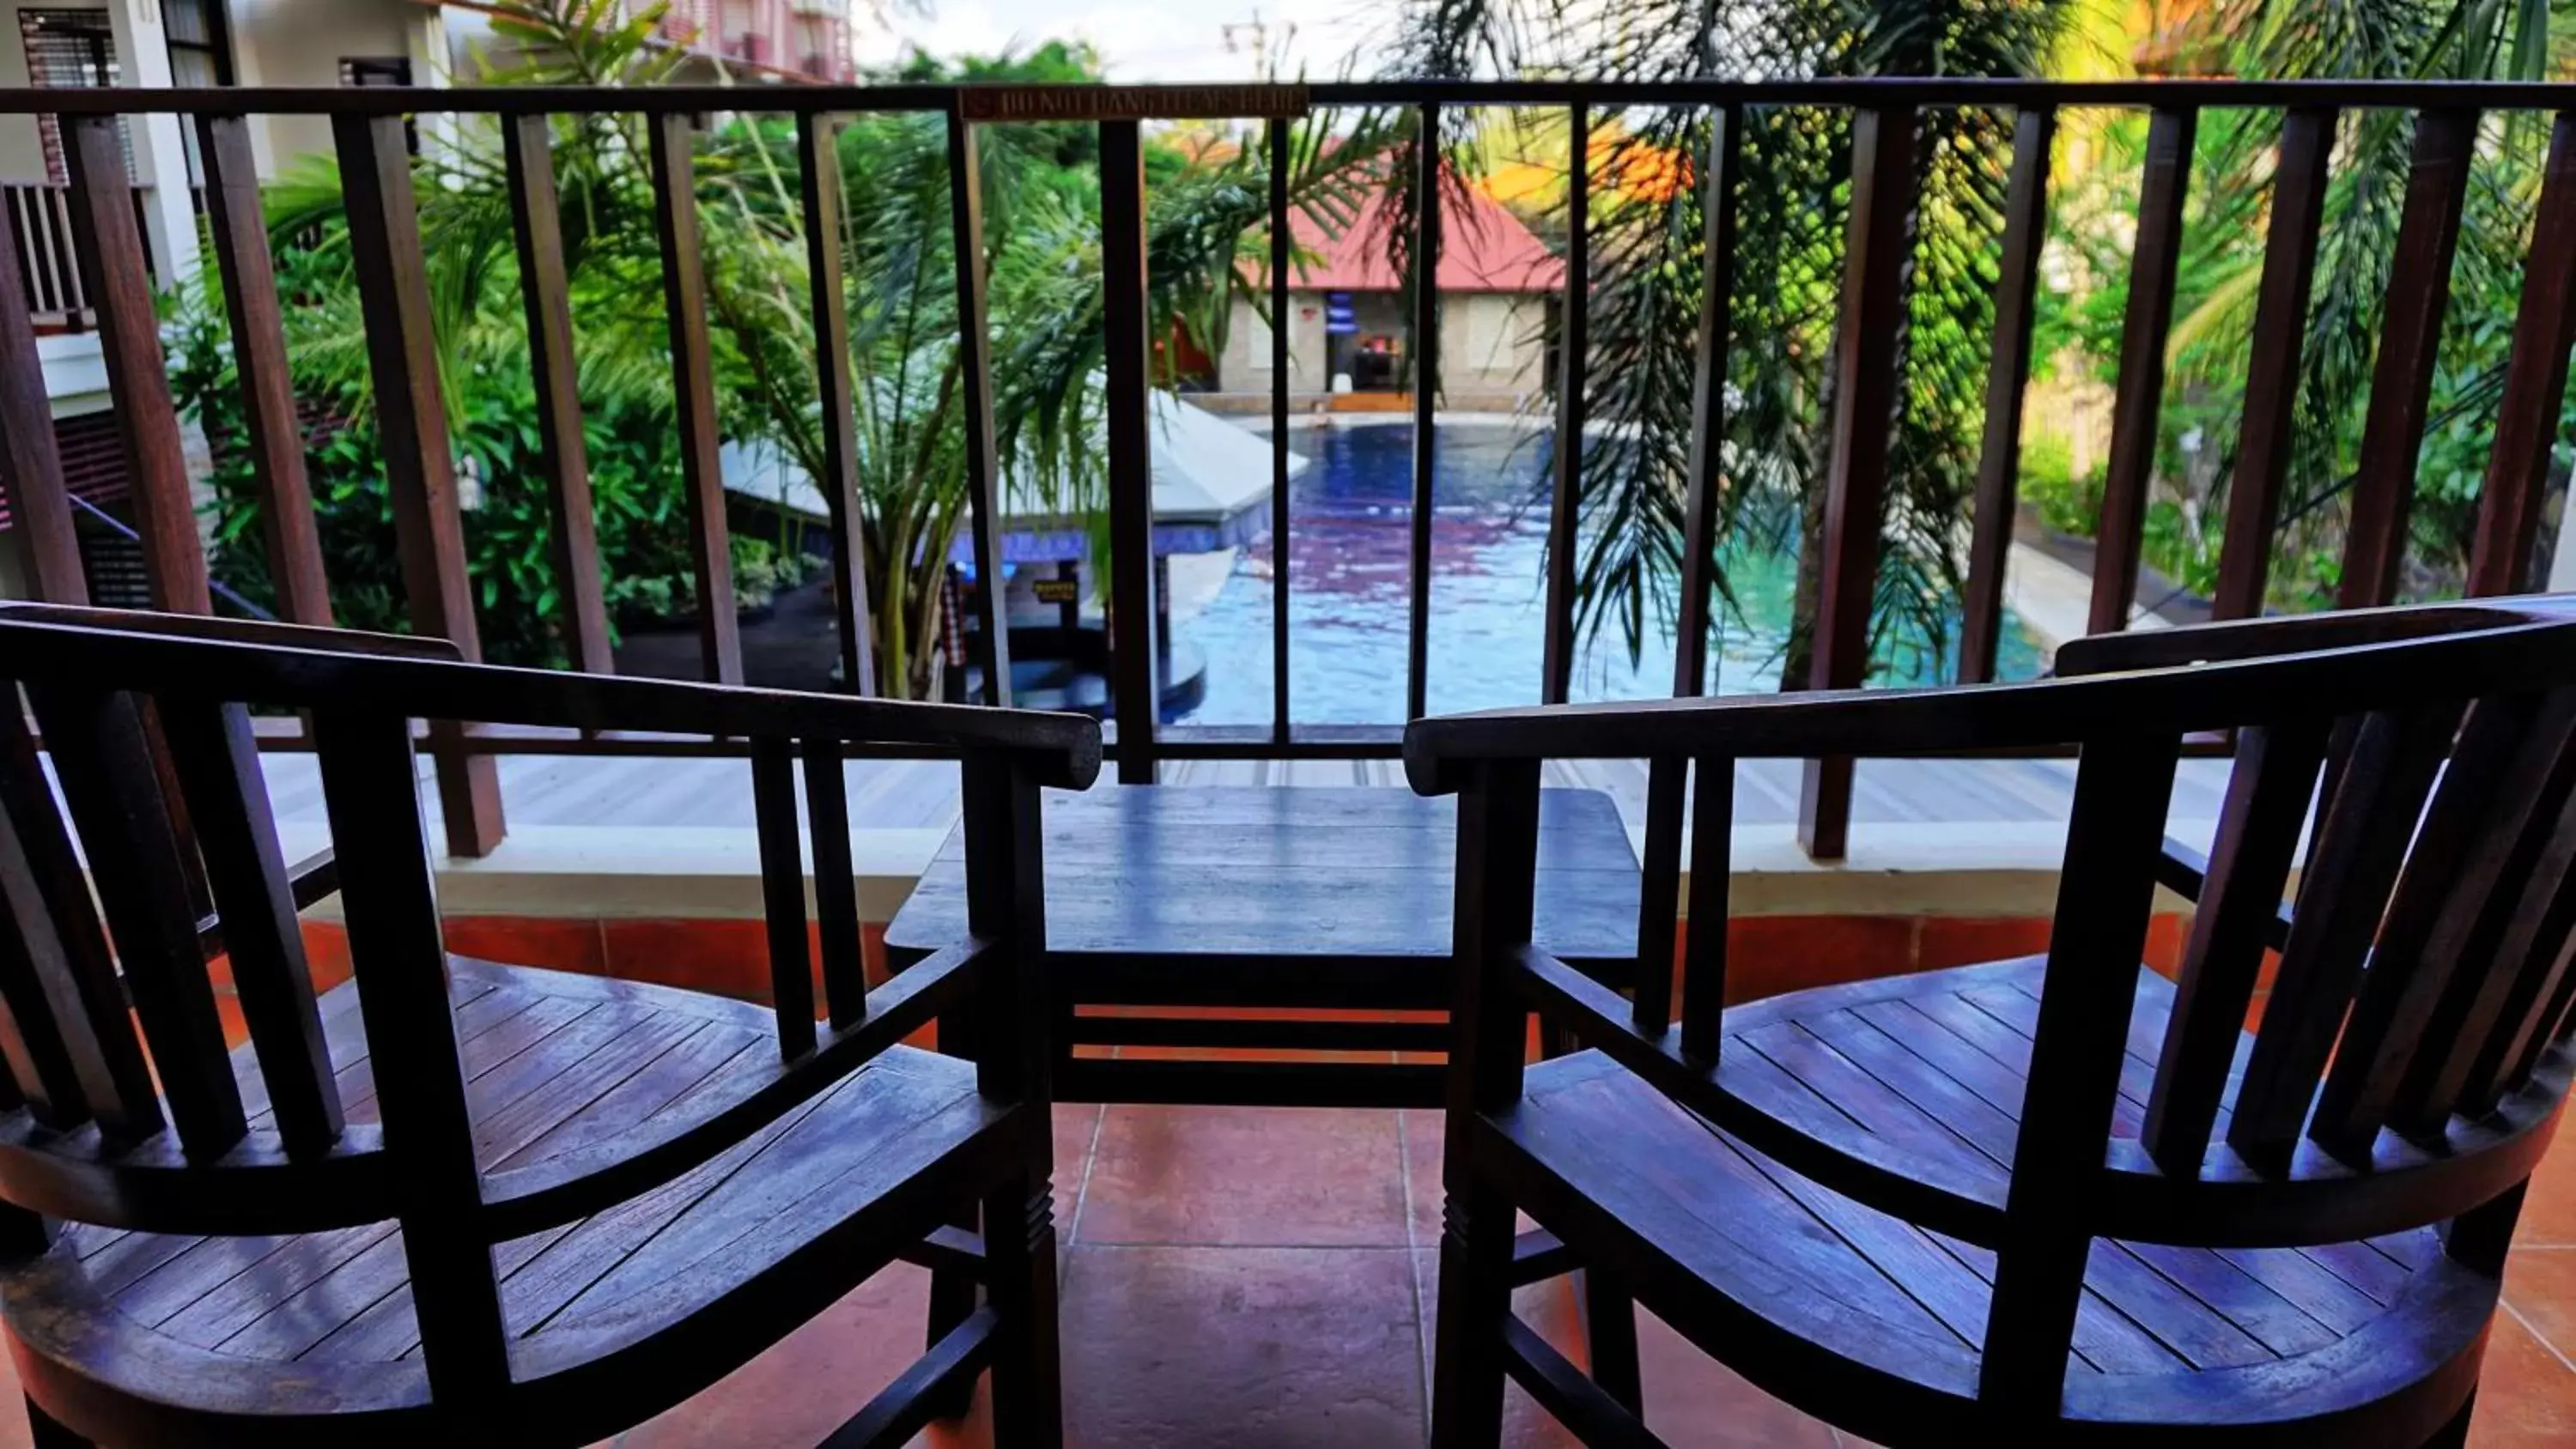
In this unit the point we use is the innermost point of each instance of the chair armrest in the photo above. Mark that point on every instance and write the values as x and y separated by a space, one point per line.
239 631
1058 749
2290 634
2496 649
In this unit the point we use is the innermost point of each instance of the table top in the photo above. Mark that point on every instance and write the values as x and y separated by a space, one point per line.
1276 874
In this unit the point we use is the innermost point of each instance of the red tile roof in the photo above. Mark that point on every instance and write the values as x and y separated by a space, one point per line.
1486 249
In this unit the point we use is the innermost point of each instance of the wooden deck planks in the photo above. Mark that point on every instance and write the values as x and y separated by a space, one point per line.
553 1065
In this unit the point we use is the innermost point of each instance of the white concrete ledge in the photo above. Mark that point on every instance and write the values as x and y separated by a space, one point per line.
662 873
1925 869
1907 869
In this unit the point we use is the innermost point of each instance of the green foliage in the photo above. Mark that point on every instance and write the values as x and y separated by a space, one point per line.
2066 502
509 535
1792 202
1041 238
2226 227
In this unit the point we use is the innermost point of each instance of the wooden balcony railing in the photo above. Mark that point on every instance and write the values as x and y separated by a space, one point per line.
374 155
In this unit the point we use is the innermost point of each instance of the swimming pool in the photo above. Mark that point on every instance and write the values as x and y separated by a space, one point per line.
1349 526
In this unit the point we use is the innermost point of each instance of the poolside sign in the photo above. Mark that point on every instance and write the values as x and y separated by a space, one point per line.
1129 103
1338 316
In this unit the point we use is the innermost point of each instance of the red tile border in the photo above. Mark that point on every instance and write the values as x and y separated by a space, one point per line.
565 944
1965 940
728 957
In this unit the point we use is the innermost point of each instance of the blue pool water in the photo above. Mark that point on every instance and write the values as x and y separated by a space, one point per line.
1349 525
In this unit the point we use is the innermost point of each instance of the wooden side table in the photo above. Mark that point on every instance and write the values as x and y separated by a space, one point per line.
1208 929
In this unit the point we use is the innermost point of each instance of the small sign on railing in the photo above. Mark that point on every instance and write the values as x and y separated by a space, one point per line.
1130 103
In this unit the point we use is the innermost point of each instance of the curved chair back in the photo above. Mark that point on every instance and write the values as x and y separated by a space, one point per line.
124 1103
2411 1059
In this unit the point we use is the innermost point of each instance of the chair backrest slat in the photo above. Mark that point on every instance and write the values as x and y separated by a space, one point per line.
1703 965
77 1058
836 884
2445 913
217 761
782 892
2476 958
2379 771
102 749
2249 866
2508 983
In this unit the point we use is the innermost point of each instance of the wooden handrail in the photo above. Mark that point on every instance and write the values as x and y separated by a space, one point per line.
1064 748
1183 101
1906 723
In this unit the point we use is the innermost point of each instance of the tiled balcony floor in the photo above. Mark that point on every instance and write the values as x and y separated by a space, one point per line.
1254 1278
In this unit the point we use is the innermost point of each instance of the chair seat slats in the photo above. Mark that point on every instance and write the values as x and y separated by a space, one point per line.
553 1063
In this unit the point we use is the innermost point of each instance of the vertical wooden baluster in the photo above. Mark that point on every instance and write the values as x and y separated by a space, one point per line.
818 162
401 965
1132 647
836 891
2007 378
2410 336
1708 402
782 893
1712 871
535 216
1280 240
1423 355
1659 896
2152 264
1867 402
31 465
975 396
411 417
684 308
2535 381
110 241
238 225
2105 893
2272 383
1572 340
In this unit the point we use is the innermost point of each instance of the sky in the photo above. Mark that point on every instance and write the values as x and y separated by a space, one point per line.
1140 40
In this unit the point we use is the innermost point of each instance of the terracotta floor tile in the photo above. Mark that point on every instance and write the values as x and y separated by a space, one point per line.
1424 1135
1269 1348
806 1385
1076 1124
2540 1283
1548 1307
14 1433
2549 1209
1692 1401
1246 1177
2527 1396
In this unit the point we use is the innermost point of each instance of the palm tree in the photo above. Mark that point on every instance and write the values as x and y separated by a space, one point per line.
1043 260
2392 39
1648 274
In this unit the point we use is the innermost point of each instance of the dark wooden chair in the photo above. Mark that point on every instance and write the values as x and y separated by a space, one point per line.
2061 1196
454 1199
